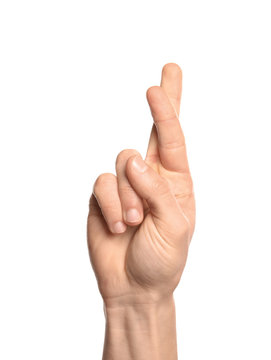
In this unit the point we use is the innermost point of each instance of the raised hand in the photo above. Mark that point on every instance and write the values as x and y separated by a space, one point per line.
141 220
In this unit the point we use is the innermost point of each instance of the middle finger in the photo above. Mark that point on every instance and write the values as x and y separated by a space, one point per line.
132 205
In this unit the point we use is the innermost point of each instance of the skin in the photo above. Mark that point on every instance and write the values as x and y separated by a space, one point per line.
138 260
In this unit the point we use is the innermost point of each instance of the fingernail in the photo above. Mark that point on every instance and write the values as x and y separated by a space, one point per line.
119 227
139 164
132 215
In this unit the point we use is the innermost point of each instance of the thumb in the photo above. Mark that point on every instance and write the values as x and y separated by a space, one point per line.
156 191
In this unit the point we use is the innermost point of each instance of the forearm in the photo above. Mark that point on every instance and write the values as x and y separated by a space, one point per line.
142 331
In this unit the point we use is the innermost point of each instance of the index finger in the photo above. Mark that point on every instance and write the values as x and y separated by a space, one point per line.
171 81
171 141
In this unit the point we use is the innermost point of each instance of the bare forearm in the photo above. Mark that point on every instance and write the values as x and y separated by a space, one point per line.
142 331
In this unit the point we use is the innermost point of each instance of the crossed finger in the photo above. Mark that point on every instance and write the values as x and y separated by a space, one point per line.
167 140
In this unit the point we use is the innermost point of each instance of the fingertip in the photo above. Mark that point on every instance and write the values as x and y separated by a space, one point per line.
172 69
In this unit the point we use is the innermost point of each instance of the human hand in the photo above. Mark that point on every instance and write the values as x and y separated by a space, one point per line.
140 259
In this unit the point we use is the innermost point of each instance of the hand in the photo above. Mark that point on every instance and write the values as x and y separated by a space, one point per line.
142 219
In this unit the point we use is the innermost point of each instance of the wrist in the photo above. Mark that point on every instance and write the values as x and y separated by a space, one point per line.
141 331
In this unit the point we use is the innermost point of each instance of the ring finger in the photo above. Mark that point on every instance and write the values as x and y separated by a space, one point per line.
106 192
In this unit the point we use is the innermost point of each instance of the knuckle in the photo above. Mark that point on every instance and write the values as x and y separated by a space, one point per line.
173 144
108 208
103 180
124 155
126 190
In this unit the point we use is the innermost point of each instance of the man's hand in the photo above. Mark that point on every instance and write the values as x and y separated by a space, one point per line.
141 221
140 224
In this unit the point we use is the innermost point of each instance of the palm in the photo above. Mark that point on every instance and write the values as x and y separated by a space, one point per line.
150 259
143 257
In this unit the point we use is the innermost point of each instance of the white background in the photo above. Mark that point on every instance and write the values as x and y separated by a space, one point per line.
73 78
